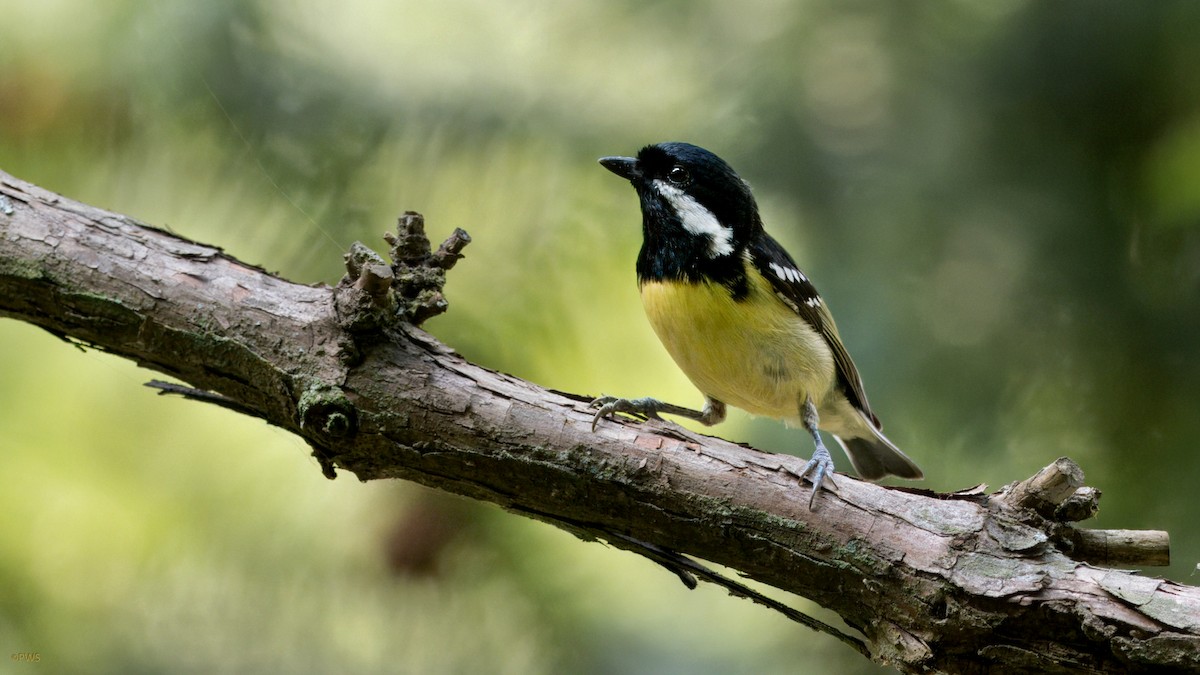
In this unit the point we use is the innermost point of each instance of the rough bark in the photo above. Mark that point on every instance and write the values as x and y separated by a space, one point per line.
968 582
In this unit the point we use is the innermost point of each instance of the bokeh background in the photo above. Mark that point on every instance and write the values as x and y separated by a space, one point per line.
999 199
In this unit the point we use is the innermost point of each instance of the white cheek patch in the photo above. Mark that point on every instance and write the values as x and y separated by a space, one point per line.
697 219
788 273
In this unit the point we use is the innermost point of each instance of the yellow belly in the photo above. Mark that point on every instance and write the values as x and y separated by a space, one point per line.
755 354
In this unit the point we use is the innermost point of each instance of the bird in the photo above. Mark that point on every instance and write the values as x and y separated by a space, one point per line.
739 317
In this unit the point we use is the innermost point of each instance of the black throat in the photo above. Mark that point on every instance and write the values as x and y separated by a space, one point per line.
671 253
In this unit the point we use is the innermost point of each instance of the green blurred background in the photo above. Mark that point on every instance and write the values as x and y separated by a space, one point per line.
1000 200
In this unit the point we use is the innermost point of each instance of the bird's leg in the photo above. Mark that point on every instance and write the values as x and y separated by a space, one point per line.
713 412
821 464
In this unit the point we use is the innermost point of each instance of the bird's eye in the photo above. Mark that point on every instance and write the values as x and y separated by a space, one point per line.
678 175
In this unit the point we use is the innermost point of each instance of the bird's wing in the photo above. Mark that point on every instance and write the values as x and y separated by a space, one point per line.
797 292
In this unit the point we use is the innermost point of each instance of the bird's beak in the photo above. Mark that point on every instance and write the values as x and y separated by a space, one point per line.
625 167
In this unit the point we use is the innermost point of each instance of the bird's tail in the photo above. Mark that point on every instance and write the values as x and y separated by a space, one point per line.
876 457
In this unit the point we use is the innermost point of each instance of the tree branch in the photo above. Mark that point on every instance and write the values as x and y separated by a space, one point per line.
966 582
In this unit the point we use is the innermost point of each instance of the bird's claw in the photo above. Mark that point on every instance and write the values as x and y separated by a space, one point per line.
821 466
611 405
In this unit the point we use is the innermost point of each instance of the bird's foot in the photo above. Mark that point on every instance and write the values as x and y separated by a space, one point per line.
821 467
611 405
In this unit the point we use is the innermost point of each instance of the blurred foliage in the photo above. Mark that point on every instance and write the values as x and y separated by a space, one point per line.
1000 200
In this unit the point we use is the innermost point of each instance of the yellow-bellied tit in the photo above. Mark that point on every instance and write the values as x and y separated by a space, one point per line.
739 317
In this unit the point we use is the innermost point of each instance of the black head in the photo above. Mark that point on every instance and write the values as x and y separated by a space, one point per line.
697 214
